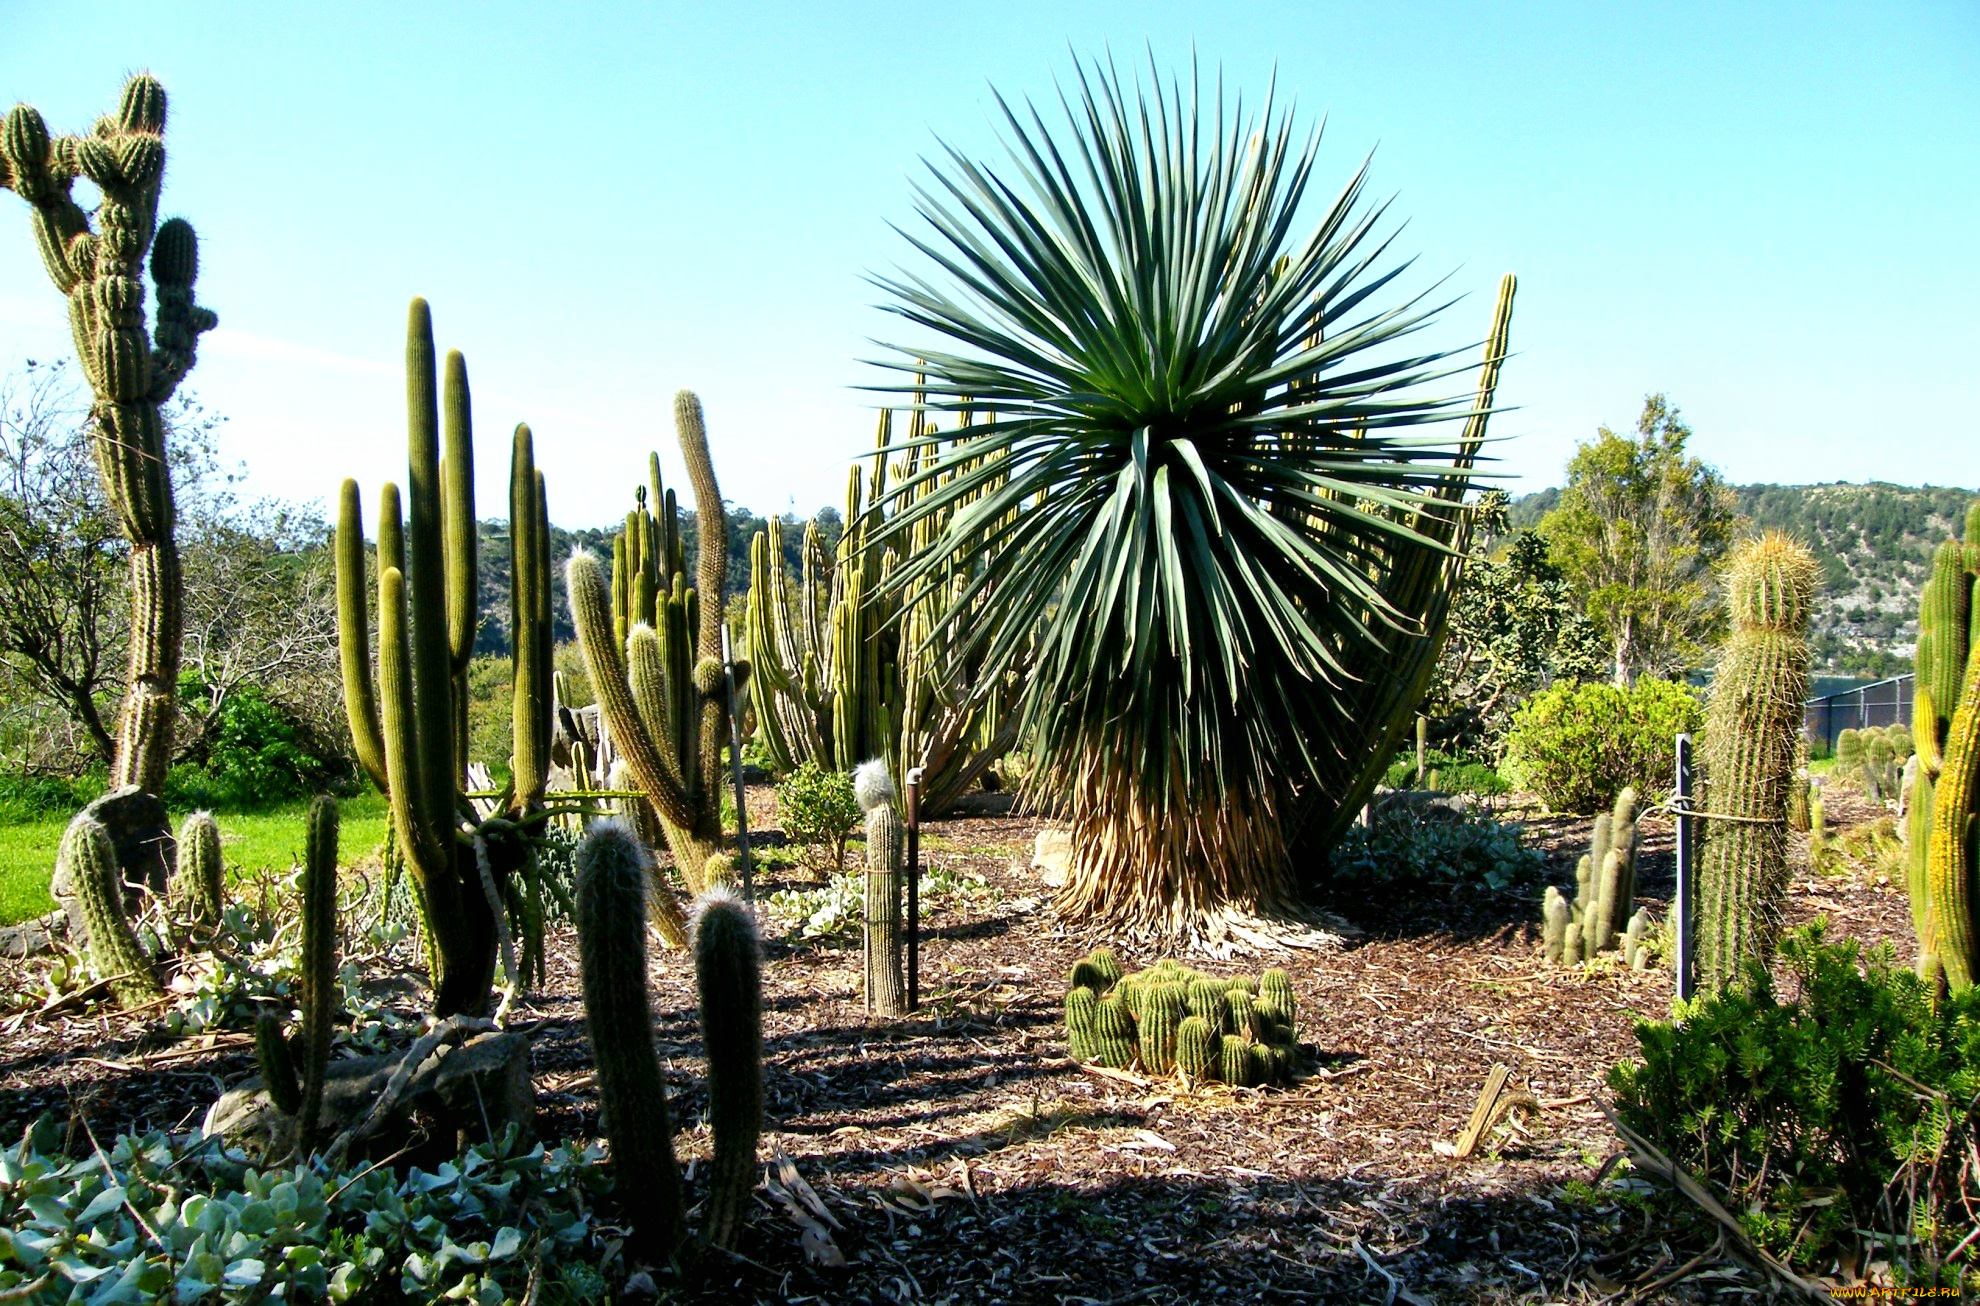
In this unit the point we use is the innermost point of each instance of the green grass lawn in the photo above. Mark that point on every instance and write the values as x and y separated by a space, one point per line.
252 841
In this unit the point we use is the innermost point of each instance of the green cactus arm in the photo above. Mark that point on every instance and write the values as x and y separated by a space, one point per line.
528 549
728 975
426 577
457 514
391 530
584 582
421 844
319 959
276 1063
200 873
354 638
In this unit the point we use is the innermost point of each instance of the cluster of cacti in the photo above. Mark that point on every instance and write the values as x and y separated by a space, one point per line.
99 266
663 700
1873 758
409 726
1944 802
301 1095
1752 737
612 885
885 864
89 860
1170 1018
1605 893
846 671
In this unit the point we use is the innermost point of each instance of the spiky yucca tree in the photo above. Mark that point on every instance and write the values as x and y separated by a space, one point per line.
1210 480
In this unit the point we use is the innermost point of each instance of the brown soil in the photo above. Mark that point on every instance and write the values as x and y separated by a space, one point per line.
969 1161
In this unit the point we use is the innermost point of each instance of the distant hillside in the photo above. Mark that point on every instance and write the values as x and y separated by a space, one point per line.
1875 545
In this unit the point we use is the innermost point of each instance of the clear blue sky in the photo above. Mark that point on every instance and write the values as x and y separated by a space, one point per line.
1768 211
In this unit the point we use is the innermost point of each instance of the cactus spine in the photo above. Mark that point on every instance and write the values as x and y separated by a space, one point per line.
198 875
847 671
1753 726
666 713
885 861
409 730
131 373
114 951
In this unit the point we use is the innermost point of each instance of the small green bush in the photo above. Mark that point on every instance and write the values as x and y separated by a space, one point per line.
252 756
1442 850
1578 746
1447 774
25 798
1826 1115
818 810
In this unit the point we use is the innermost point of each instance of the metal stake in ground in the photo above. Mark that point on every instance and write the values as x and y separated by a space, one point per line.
914 888
1687 869
736 771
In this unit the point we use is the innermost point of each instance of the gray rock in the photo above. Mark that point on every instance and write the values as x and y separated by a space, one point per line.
34 937
141 831
477 1088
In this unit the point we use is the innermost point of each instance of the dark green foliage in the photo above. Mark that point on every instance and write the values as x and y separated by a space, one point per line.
818 810
1786 1108
1516 627
1400 849
252 752
1577 746
1445 773
728 972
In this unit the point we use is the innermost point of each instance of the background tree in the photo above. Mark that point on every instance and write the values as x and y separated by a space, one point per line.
1516 627
1637 531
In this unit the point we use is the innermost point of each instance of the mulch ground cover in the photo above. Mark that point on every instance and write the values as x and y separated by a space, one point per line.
964 1158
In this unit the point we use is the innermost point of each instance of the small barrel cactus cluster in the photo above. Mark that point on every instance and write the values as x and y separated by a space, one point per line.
1170 1018
1605 891
1874 759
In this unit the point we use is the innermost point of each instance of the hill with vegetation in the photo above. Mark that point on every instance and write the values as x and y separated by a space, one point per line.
1875 545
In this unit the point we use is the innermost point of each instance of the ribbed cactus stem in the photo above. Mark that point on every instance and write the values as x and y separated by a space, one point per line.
728 973
886 993
1554 914
1753 726
354 636
529 558
1107 964
1162 1013
1234 1062
319 958
114 952
1602 927
1113 1033
1955 799
611 929
1082 1010
1275 986
1198 1048
200 873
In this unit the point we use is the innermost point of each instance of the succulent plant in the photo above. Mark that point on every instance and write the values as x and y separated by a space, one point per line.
1170 1017
1605 890
114 951
199 874
885 864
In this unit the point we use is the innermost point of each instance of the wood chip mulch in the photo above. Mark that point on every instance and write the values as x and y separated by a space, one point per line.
967 1160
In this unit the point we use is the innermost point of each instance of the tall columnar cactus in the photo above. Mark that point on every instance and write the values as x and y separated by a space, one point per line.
844 670
1752 728
114 951
728 972
885 865
99 266
1945 640
612 885
655 696
409 728
319 957
198 875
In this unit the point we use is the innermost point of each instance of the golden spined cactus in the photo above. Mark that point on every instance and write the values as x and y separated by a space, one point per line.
1942 660
96 259
1752 731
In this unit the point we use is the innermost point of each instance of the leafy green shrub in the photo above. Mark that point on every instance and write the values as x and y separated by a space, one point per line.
252 755
1460 849
1578 746
25 798
1447 774
817 810
1823 1115
485 1228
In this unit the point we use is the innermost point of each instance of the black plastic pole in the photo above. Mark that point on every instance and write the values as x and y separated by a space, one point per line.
736 772
914 888
1687 871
